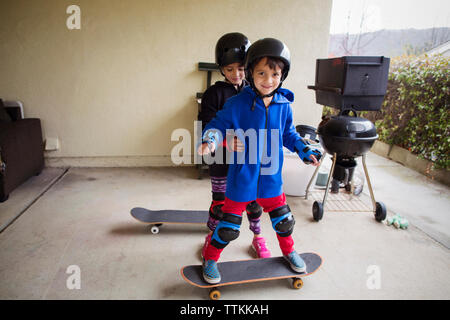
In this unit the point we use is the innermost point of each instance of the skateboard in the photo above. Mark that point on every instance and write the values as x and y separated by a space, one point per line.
158 217
246 271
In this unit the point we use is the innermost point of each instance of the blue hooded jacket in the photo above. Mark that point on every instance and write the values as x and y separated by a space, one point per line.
256 172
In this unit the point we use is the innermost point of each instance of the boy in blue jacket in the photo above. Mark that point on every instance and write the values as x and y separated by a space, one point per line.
230 57
261 114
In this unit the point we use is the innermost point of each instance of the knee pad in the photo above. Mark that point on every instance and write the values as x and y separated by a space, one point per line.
254 210
282 221
227 230
215 212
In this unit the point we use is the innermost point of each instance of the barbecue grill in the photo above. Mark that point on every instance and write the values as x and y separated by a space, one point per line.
350 84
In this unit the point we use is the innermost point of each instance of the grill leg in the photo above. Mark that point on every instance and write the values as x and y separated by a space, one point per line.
314 175
366 172
329 179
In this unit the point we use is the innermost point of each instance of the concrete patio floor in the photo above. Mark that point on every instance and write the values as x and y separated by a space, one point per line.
80 217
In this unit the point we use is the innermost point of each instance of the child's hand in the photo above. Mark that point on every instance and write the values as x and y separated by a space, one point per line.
315 162
237 145
307 154
205 148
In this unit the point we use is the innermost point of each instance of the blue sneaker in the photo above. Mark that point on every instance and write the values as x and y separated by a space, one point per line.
296 262
211 273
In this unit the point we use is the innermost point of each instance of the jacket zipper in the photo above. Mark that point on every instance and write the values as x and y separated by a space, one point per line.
264 147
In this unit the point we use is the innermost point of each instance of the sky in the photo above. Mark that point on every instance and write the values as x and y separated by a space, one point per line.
388 14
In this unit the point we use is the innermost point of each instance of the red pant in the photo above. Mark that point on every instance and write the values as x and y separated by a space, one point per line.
268 204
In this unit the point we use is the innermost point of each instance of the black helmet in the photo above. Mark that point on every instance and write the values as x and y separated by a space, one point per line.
231 48
267 47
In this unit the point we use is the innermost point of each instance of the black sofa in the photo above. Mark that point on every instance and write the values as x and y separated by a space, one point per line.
21 149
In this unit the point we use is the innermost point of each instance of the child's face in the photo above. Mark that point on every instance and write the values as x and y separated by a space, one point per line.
234 73
266 79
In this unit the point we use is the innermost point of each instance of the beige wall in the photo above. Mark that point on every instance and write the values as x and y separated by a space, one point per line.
114 91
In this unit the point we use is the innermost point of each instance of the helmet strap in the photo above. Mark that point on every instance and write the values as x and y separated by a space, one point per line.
258 94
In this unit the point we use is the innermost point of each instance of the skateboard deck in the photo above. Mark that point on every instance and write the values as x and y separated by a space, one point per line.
159 217
246 271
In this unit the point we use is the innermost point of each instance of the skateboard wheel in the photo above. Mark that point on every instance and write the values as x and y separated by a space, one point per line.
297 283
380 212
154 230
317 210
214 294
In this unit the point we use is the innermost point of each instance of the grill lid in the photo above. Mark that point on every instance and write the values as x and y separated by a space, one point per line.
346 126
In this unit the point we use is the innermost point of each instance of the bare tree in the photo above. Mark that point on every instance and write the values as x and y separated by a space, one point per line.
353 44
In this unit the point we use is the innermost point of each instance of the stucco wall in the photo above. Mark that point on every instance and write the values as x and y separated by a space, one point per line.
113 91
